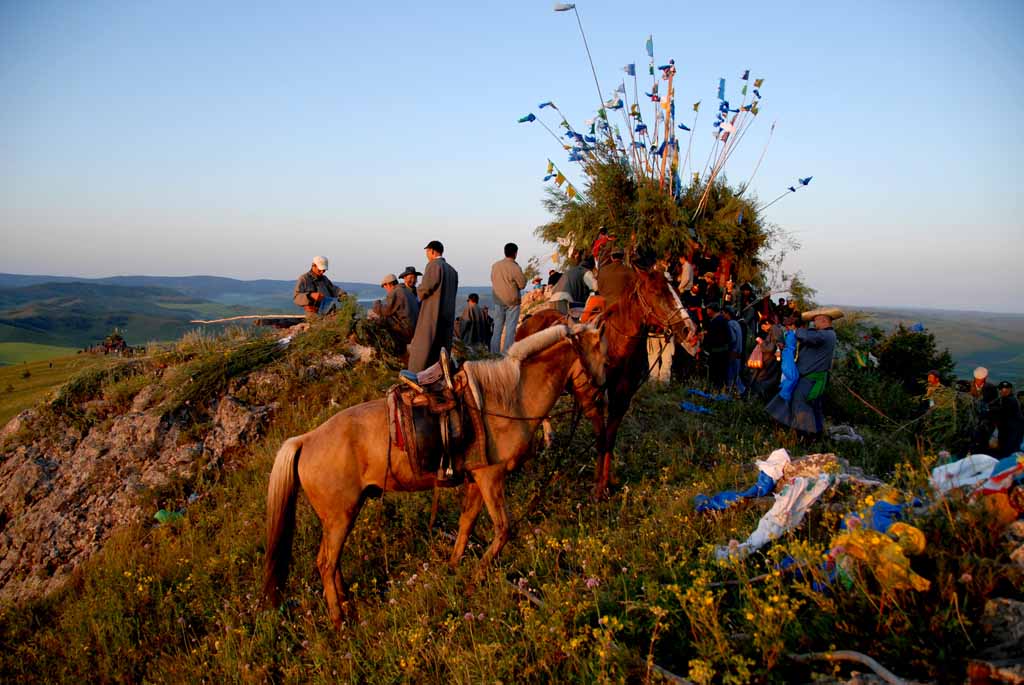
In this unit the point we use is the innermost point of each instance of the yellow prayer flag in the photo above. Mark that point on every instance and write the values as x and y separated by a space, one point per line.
696 178
758 82
559 179
551 166
571 192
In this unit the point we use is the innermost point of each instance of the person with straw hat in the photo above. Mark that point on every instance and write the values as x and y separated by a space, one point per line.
816 346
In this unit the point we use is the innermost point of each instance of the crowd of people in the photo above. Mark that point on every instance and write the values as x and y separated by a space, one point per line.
750 345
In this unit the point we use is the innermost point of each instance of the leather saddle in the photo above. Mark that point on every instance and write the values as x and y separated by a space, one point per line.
426 420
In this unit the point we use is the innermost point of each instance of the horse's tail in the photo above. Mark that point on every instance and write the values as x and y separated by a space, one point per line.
281 496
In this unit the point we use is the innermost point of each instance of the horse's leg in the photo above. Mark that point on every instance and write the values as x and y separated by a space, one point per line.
472 503
328 561
618 404
491 481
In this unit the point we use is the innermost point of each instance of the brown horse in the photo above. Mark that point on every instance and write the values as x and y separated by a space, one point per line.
649 302
350 456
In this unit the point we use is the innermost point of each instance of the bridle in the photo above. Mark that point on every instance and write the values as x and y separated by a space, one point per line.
678 316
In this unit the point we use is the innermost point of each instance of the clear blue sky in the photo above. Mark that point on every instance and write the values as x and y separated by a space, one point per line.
240 139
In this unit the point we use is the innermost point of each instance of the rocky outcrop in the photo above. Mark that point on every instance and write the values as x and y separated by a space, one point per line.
63 493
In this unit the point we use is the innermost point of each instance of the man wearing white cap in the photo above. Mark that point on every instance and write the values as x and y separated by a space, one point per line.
985 396
314 292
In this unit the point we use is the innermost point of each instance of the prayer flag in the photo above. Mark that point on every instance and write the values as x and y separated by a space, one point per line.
545 104
638 145
758 82
650 68
650 47
621 88
630 69
721 89
527 119
696 178
753 109
551 167
746 74
641 128
756 93
696 106
792 189
571 192
744 89
739 219
805 181
559 179
684 127
590 139
549 177
564 6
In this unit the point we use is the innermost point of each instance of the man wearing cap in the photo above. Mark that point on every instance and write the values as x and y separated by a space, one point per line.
436 320
1008 419
815 349
314 292
395 313
507 280
985 395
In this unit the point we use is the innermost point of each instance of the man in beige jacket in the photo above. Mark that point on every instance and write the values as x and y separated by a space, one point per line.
507 279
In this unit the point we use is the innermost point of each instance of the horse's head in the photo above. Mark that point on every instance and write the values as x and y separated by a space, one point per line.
592 349
661 308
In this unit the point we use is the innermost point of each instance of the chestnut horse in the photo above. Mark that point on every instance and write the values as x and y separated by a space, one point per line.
649 302
350 456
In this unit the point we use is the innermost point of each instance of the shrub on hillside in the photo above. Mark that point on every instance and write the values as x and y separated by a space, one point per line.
907 356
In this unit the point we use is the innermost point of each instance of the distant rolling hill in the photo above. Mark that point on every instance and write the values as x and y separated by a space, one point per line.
74 314
995 341
66 312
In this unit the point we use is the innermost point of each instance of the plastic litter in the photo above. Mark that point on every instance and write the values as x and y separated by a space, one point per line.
967 471
787 513
694 408
164 516
708 396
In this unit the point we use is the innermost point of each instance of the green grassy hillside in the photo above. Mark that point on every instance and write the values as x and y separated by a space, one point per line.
584 592
26 384
16 353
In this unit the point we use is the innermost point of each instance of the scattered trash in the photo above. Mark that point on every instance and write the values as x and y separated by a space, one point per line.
694 408
788 511
164 516
967 471
708 396
771 471
844 433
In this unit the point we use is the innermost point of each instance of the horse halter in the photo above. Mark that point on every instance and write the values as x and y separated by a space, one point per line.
678 316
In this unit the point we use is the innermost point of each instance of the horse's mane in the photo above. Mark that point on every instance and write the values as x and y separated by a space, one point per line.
500 377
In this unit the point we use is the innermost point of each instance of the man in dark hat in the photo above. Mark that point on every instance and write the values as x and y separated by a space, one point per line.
408 288
1008 419
436 320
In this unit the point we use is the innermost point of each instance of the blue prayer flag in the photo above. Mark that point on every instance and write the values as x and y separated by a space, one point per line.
721 89
630 69
746 74
527 119
650 47
805 181
684 127
545 104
